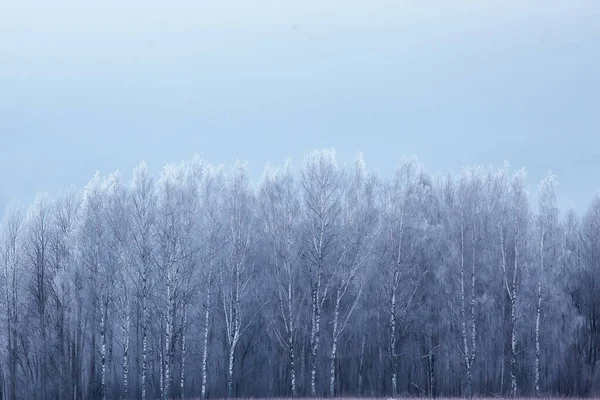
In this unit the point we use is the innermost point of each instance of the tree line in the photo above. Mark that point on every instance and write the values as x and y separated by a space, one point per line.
326 281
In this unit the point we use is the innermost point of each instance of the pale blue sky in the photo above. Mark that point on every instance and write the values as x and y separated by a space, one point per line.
88 86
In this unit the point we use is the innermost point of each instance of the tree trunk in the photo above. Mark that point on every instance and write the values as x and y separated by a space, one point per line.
291 344
393 334
103 339
361 367
537 317
513 317
144 342
230 365
465 350
314 336
183 353
126 355
205 345
334 345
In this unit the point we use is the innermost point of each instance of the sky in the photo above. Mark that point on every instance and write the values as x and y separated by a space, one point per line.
100 86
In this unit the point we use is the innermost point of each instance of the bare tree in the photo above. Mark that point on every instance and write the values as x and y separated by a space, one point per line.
401 220
470 190
142 211
547 223
322 184
356 242
11 248
211 197
37 244
237 270
281 215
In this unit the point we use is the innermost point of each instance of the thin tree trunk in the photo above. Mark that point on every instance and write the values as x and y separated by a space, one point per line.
334 345
183 353
393 334
465 351
513 314
473 320
537 317
103 339
144 341
230 365
291 331
205 345
126 355
161 365
315 334
168 358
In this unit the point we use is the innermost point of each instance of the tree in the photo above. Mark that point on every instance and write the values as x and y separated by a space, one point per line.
401 224
11 248
212 226
281 215
356 241
322 184
237 270
470 190
37 245
142 209
547 224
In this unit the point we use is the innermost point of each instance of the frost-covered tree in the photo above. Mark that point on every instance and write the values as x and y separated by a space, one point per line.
142 211
323 185
402 221
237 268
11 252
354 253
280 211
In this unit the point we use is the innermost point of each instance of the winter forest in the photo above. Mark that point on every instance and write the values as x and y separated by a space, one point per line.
320 280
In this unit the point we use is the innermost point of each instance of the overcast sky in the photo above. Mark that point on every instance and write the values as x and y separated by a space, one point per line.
88 86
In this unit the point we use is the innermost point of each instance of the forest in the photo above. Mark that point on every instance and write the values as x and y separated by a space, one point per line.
321 281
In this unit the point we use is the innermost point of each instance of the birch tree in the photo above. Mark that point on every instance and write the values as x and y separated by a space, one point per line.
356 241
211 198
470 189
37 244
64 216
546 222
281 215
11 248
90 252
176 212
517 209
401 220
237 270
142 211
322 184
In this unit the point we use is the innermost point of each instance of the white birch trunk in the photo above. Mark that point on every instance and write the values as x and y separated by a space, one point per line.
314 337
126 355
183 354
144 346
161 365
291 331
230 365
473 320
103 324
205 344
537 316
393 334
168 358
334 345
167 361
513 315
463 313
